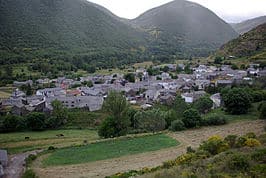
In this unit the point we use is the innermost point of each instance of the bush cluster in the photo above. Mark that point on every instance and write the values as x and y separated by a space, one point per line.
214 120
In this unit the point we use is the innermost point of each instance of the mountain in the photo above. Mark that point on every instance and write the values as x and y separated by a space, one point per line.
251 44
50 28
184 28
248 25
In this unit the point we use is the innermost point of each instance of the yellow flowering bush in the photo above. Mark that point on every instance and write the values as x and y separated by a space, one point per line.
214 145
252 142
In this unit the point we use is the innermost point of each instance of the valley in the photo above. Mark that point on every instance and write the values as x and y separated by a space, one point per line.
169 93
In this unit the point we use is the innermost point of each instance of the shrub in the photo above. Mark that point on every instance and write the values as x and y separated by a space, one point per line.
36 121
51 148
170 116
191 118
203 104
252 142
239 162
215 120
250 135
259 155
12 123
190 150
177 125
29 174
231 140
262 110
151 120
241 141
109 128
214 145
262 138
237 100
30 158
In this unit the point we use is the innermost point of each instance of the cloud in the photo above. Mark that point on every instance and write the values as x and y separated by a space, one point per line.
229 10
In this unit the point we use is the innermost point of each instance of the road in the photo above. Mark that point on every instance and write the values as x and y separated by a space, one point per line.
16 165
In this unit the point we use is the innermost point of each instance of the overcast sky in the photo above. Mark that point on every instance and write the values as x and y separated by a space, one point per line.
229 10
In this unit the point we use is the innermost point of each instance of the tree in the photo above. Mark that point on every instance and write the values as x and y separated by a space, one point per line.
191 118
177 125
130 77
236 100
91 69
165 69
119 121
59 115
36 121
151 120
203 104
27 89
187 69
12 123
262 110
218 60
108 128
179 106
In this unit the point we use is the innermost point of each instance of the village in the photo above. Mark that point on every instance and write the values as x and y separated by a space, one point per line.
144 91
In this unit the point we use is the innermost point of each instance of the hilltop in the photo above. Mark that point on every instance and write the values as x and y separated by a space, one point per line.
248 25
184 28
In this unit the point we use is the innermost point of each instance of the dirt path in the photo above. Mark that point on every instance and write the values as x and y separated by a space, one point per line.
16 164
151 159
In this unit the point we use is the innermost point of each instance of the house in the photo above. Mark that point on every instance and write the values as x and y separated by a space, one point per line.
165 76
253 71
93 103
19 84
17 94
172 67
151 94
192 97
223 83
202 84
3 158
86 91
188 97
145 106
181 66
2 173
167 99
216 99
43 81
29 104
262 73
51 92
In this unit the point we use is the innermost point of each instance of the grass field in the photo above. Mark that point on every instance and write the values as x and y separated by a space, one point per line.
251 115
16 143
109 149
5 92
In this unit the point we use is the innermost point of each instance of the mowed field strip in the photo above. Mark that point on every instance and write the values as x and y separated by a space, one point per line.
16 142
109 149
107 167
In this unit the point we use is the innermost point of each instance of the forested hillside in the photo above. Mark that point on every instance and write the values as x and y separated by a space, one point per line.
64 29
251 44
183 28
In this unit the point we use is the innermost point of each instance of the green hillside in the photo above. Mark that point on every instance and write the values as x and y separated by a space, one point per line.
183 28
251 45
63 29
